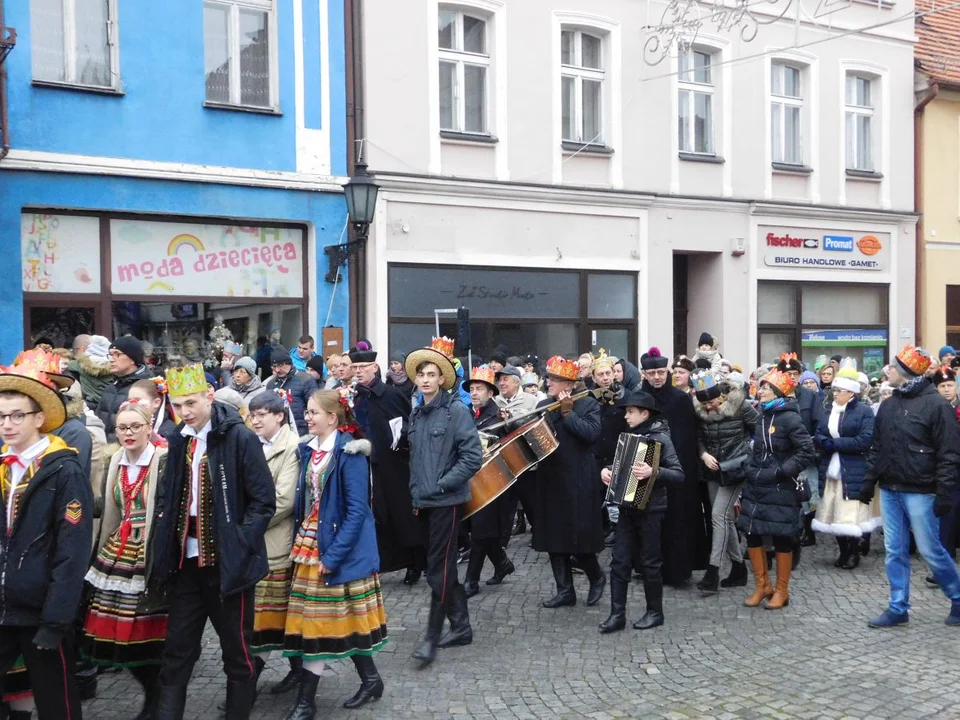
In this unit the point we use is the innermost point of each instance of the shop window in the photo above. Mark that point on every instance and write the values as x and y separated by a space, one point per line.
611 296
59 325
953 315
776 304
833 304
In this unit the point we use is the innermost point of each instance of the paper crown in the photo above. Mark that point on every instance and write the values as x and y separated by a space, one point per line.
443 345
233 348
789 361
820 362
37 360
780 381
530 379
914 360
187 380
560 367
602 360
484 374
31 375
706 386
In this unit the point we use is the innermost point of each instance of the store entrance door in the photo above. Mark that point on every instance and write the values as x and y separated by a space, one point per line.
60 320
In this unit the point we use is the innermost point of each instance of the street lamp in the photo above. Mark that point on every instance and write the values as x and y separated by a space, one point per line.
361 196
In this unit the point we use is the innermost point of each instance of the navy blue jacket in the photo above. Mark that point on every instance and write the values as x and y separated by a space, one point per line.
300 386
346 532
856 436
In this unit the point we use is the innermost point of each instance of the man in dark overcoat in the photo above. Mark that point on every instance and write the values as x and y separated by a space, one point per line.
377 406
684 528
568 499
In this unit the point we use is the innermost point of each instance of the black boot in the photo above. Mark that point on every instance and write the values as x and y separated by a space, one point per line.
171 700
427 652
844 545
460 632
737 576
147 676
863 546
291 679
258 665
86 679
306 707
710 583
502 570
853 554
413 576
520 526
654 615
371 685
241 694
618 607
471 581
597 578
563 576
797 547
807 537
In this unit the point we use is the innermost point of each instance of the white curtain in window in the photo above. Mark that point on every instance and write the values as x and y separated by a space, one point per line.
92 46
254 58
46 41
216 52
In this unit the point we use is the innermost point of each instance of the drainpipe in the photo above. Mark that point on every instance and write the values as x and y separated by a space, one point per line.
4 122
353 48
920 244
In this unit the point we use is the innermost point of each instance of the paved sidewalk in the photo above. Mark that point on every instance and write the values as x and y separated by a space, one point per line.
714 658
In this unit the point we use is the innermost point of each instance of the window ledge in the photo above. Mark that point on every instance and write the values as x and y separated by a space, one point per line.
77 87
791 168
572 147
453 136
864 174
243 108
702 157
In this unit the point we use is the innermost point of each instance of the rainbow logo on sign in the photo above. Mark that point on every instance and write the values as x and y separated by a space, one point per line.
180 241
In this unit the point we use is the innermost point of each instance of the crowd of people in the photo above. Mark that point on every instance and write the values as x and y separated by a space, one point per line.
141 502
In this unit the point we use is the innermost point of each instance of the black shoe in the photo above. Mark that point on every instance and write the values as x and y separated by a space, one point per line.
86 681
863 546
471 588
460 632
306 707
171 701
427 652
654 615
710 583
504 569
371 685
413 576
931 581
520 526
649 621
853 558
291 679
596 590
614 623
807 537
563 576
844 544
737 576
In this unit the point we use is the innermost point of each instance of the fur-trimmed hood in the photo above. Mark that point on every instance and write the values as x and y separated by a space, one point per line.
729 408
76 407
358 447
89 367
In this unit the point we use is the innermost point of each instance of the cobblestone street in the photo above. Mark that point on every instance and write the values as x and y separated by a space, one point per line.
713 658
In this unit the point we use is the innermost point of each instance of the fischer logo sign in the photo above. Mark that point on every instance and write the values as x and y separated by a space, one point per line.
822 249
788 240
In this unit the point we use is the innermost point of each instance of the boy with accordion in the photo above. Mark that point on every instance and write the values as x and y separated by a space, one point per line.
645 462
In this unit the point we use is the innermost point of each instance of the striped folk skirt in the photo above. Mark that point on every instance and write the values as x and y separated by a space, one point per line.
270 610
16 683
329 622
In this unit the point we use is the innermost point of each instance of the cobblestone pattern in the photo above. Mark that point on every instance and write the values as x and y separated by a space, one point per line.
714 658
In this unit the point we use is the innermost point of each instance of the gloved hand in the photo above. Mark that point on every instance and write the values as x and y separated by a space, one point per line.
47 638
566 406
942 505
829 445
866 494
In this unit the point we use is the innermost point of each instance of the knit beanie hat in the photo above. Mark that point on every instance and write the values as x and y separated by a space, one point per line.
316 364
129 346
946 350
653 359
280 356
247 363
99 349
707 339
808 375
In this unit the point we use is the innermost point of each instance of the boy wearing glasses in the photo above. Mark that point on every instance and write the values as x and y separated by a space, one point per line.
207 547
45 534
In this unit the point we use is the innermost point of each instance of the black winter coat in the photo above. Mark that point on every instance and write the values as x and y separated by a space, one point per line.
300 386
496 520
115 395
916 443
244 500
810 407
612 424
782 449
47 553
856 436
568 496
726 433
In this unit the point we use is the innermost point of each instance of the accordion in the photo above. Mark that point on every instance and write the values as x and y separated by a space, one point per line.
626 489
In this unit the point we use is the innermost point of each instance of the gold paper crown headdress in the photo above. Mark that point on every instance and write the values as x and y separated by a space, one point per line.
187 380
564 369
443 345
602 360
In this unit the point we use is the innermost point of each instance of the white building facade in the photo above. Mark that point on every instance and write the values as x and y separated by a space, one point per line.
577 181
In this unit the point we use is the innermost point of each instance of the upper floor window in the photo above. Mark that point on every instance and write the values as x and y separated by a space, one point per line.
696 86
464 63
72 41
237 52
786 105
581 87
859 113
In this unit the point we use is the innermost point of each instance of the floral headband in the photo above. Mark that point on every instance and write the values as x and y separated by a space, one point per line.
161 383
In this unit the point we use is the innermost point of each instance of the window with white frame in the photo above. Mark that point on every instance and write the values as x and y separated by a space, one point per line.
581 87
464 65
74 41
859 111
697 89
237 53
786 110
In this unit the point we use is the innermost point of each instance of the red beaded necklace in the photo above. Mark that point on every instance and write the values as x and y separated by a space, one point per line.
129 492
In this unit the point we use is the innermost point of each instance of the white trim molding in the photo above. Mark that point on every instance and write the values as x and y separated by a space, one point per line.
313 146
35 160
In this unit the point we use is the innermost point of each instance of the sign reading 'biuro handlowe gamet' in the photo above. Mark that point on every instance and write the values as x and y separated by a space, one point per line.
805 248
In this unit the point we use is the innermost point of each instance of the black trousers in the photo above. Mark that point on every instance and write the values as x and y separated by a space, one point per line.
50 671
194 597
442 526
523 492
479 551
637 534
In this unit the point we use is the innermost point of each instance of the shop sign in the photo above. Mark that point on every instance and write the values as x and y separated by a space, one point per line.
60 253
831 250
844 338
158 258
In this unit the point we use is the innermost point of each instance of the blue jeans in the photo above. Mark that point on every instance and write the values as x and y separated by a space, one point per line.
903 512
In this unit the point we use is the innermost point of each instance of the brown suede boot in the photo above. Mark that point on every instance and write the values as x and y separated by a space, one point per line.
781 598
758 560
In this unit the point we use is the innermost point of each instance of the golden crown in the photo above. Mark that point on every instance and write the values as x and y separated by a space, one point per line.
484 374
443 345
602 360
187 380
562 368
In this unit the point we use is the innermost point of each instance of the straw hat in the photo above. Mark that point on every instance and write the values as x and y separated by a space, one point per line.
28 376
415 358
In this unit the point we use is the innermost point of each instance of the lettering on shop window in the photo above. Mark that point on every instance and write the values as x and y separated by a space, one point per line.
483 292
208 262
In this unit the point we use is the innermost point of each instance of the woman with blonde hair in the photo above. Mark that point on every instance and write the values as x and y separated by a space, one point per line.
153 392
336 606
124 628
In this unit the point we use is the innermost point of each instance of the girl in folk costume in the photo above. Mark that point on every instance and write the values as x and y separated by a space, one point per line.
336 607
270 419
121 628
153 392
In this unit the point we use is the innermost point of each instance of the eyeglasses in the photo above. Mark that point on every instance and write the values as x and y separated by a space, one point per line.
114 355
311 413
16 418
362 366
260 416
127 429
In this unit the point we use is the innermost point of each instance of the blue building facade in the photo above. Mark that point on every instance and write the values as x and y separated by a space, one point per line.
173 166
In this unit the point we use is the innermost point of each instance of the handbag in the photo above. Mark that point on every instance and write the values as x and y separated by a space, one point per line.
731 471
